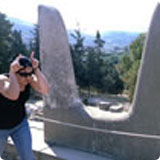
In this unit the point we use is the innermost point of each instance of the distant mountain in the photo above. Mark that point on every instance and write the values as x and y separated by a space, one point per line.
88 41
114 40
118 39
26 28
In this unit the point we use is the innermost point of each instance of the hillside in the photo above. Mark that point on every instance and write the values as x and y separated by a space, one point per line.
25 28
115 41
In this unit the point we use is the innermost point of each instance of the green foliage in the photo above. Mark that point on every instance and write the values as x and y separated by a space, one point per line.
17 45
129 65
11 43
78 56
99 42
92 69
124 66
34 44
5 42
112 82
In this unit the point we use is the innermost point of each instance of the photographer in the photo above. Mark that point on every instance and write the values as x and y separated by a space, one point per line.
14 92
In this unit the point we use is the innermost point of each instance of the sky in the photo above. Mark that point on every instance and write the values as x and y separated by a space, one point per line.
88 15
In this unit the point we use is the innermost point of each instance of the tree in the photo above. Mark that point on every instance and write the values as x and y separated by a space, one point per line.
129 65
99 60
5 42
92 69
99 43
34 44
111 82
11 43
78 57
17 45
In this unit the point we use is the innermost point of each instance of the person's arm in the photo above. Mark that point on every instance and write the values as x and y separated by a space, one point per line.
9 85
39 82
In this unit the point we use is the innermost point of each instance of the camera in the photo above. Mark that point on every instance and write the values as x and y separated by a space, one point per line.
25 62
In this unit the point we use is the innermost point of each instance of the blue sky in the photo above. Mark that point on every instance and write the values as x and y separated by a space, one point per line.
88 15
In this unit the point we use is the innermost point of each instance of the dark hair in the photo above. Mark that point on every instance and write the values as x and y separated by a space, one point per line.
25 62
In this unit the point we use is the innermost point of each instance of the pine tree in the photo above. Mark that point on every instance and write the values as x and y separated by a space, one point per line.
34 44
78 56
128 68
17 45
11 43
99 60
5 42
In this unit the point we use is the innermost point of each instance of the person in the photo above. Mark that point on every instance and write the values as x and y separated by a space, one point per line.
24 74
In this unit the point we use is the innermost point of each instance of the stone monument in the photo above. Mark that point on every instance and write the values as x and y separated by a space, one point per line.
64 104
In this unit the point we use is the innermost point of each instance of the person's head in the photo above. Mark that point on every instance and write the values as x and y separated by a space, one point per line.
24 75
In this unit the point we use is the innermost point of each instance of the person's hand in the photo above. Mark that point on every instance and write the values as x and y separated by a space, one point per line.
15 66
35 62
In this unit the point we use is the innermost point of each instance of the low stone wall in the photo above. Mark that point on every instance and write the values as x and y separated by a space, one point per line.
43 151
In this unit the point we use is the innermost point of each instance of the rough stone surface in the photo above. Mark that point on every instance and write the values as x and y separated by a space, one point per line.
56 60
62 104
